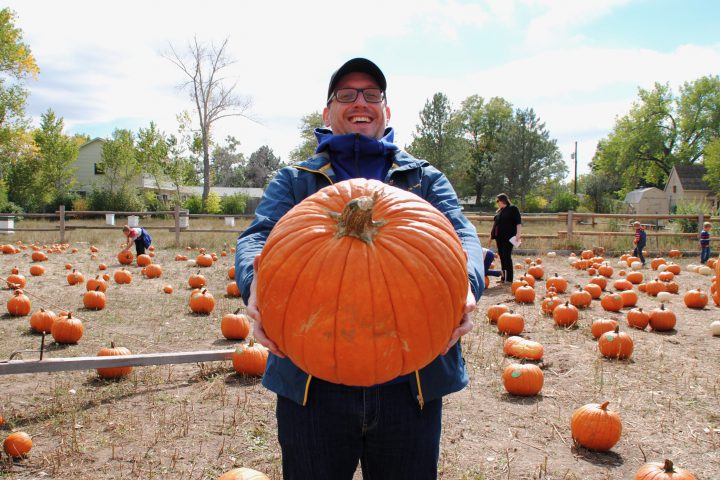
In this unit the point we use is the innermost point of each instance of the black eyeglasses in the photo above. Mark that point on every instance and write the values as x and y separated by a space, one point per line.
349 95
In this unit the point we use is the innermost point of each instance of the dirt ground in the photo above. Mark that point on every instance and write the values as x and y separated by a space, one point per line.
196 421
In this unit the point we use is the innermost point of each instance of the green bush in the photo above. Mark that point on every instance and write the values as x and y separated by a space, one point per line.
564 201
66 199
115 201
233 204
535 203
193 204
690 207
212 205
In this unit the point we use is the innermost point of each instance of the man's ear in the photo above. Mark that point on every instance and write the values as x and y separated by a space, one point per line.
387 115
326 116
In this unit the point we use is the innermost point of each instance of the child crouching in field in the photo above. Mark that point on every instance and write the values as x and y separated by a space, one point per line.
138 235
640 241
488 257
704 237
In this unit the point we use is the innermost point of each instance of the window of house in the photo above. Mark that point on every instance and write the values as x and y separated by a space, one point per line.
99 169
674 188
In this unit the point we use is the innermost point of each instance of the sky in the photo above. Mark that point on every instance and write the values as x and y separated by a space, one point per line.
577 63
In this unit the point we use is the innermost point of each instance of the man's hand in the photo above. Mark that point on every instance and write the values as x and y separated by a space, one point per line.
466 324
254 313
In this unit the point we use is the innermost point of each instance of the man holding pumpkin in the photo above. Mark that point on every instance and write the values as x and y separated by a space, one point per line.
324 428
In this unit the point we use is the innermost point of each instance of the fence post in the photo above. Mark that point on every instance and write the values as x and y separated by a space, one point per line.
177 225
62 223
570 224
701 220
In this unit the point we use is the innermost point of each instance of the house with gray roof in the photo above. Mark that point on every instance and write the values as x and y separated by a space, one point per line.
685 184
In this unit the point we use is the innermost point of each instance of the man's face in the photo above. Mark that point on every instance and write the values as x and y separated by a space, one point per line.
369 119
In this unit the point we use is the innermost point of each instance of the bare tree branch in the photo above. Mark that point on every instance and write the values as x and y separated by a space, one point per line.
213 97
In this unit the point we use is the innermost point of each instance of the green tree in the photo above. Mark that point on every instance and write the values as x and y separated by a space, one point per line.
307 126
660 131
598 191
261 166
204 67
527 156
120 163
438 137
56 152
17 65
151 152
228 164
712 164
483 124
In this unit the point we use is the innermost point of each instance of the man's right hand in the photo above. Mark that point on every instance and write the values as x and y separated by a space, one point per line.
254 313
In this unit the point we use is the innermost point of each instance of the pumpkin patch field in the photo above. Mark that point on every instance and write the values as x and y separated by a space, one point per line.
610 368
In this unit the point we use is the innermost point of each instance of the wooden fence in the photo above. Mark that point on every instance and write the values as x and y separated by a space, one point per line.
573 224
178 222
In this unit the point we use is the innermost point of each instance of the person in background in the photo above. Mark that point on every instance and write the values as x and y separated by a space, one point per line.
137 235
507 227
325 429
704 237
640 240
488 257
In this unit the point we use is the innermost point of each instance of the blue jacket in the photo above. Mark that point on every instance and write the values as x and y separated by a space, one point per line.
446 374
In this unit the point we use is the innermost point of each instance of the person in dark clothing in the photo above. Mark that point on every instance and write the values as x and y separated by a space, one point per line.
507 228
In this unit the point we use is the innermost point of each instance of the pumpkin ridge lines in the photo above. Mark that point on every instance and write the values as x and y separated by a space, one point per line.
438 258
449 283
278 274
422 314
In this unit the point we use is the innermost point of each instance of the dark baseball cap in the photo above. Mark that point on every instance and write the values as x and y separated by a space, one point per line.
362 65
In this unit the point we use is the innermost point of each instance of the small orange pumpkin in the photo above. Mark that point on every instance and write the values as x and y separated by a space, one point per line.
602 325
494 312
523 380
511 323
202 302
662 319
612 302
663 471
565 315
637 318
695 299
250 359
615 344
235 326
143 260
113 372
67 329
125 258
19 304
42 321
595 427
17 444
94 299
37 270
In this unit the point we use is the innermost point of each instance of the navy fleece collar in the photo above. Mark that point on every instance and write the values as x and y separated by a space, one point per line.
357 156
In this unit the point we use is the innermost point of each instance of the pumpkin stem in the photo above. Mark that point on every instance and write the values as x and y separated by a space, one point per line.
604 406
669 467
356 219
236 311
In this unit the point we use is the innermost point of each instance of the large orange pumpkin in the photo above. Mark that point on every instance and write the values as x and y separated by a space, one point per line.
524 380
334 283
250 359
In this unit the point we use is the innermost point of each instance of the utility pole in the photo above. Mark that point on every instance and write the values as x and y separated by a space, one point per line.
574 157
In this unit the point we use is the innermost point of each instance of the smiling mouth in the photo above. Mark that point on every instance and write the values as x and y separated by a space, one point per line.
360 120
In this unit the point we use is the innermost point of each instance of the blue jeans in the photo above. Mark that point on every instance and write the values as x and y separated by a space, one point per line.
382 427
638 253
704 254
